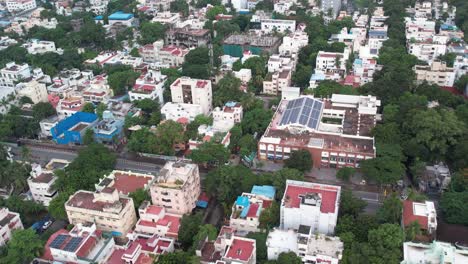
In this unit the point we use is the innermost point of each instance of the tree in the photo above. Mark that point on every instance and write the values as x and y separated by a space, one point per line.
256 121
23 247
301 76
88 136
247 144
139 196
206 231
256 64
288 258
57 206
300 159
270 216
100 109
210 153
448 58
150 32
384 170
386 242
461 83
326 88
189 227
412 230
175 257
260 243
350 205
42 110
119 81
180 6
134 52
454 207
227 89
390 211
25 100
280 177
88 108
214 11
345 173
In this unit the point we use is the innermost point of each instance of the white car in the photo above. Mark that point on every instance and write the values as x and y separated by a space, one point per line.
46 225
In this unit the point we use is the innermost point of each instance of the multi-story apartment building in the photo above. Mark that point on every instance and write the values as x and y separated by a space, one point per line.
331 7
33 89
82 244
42 180
365 69
436 73
177 187
310 204
9 221
109 211
377 36
14 6
310 247
292 43
419 29
193 91
329 66
277 25
149 86
428 50
460 65
277 62
275 82
167 18
177 111
164 56
190 38
224 119
13 73
154 220
98 7
70 105
35 46
97 90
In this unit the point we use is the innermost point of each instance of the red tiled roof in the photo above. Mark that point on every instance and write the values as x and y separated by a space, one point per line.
154 209
241 250
201 84
127 183
172 221
409 216
43 178
83 199
253 210
328 197
87 247
116 257
131 249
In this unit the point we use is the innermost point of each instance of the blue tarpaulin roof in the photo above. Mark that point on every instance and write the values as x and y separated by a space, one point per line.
242 201
120 16
245 211
265 190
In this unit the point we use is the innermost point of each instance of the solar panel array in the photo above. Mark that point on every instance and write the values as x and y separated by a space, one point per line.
58 241
73 244
305 111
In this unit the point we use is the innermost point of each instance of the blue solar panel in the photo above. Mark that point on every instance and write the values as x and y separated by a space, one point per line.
73 244
305 111
58 241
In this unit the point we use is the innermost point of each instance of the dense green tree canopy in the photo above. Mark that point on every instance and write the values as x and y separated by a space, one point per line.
300 159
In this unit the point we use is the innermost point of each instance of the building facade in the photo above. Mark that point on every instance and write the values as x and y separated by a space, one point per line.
193 91
9 221
436 73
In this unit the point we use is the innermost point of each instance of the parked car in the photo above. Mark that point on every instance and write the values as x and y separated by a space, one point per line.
46 225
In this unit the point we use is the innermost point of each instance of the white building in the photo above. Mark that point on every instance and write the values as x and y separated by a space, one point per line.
423 213
70 105
47 124
428 50
13 73
278 25
224 119
168 56
149 86
333 6
277 63
290 93
98 7
42 179
209 134
436 73
310 247
9 221
166 18
311 204
193 91
34 90
292 43
240 5
154 220
377 36
243 74
180 111
97 90
460 65
365 69
14 6
436 252
35 46
419 29
277 81
282 7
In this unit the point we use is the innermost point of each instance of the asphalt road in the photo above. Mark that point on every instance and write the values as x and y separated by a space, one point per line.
372 200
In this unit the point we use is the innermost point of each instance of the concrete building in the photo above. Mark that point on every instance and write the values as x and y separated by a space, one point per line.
290 93
97 90
141 249
109 130
149 86
330 6
227 249
72 129
189 38
245 75
277 62
419 29
109 211
82 244
9 221
292 43
224 119
435 252
154 220
275 82
436 73
277 25
377 36
460 65
428 50
164 56
70 105
423 213
282 7
35 46
179 111
125 182
122 19
34 90
332 64
42 180
167 18
15 6
193 91
310 247
336 131
177 187
98 7
236 44
248 207
47 124
13 73
310 204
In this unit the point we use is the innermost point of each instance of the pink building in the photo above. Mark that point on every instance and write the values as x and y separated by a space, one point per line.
141 250
177 187
9 221
155 221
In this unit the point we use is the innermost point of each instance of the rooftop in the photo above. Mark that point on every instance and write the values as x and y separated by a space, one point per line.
241 249
126 182
298 193
86 200
423 213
